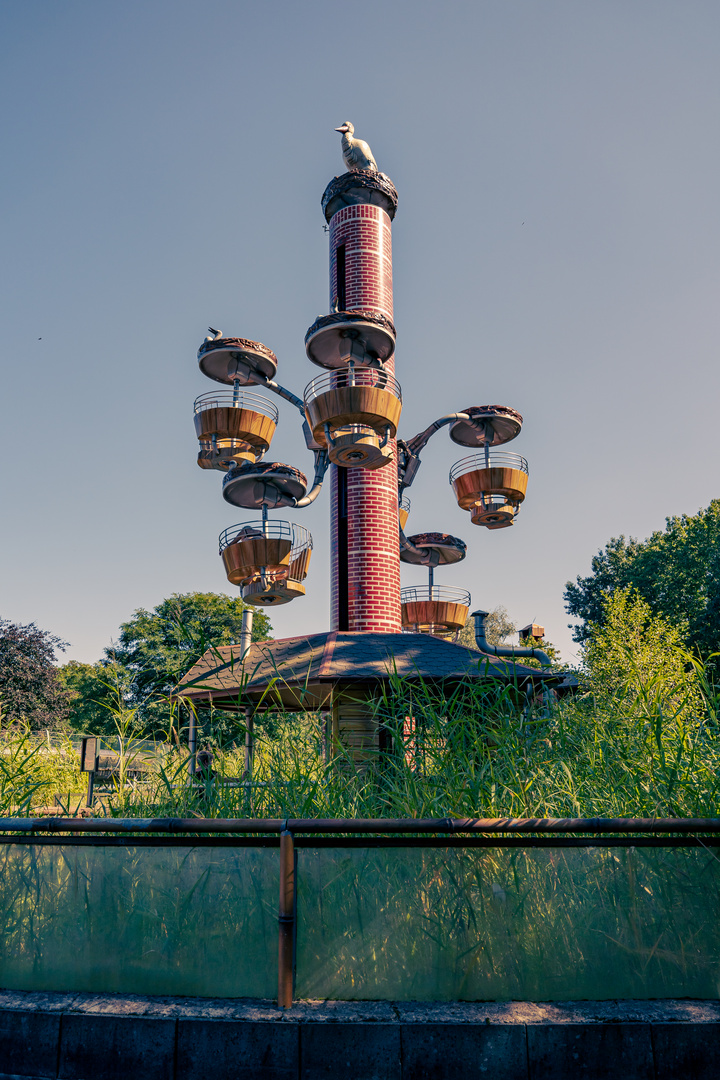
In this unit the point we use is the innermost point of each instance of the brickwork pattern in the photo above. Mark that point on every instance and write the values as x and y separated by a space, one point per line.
372 502
367 235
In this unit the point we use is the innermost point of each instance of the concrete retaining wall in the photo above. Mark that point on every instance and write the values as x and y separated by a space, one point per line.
108 1037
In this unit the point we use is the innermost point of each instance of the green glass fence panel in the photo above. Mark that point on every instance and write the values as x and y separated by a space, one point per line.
186 921
497 923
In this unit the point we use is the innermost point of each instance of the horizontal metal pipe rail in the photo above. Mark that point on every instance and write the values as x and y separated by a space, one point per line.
461 840
355 826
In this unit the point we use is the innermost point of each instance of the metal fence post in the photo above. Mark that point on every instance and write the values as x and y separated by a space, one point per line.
192 745
249 740
286 921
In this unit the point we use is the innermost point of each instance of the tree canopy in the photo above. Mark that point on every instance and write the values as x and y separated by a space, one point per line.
498 626
158 647
153 651
96 692
677 573
30 689
632 645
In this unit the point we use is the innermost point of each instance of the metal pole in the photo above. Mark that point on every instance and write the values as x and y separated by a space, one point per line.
355 826
192 745
286 922
249 724
327 737
246 631
91 787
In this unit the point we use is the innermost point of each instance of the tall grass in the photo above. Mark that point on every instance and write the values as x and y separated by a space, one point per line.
648 747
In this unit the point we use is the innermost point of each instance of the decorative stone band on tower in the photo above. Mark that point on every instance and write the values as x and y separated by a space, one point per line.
365 550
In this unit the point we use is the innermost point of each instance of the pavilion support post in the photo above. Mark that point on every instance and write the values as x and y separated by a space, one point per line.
327 734
249 741
286 921
192 745
90 789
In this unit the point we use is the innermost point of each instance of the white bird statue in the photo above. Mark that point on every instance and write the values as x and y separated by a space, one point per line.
357 155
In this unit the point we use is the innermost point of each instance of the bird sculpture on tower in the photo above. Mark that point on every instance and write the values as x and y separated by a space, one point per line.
357 155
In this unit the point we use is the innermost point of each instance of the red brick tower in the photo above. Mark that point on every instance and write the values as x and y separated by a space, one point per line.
365 553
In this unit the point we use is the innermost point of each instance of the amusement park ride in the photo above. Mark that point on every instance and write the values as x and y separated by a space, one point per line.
350 415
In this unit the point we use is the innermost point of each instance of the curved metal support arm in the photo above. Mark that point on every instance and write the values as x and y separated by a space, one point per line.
409 452
281 391
500 650
418 441
430 558
321 466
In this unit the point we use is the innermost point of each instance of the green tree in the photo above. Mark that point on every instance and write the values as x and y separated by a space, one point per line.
677 572
639 656
498 627
96 691
31 691
156 648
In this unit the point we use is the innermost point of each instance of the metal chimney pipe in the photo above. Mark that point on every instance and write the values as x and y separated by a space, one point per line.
500 650
246 631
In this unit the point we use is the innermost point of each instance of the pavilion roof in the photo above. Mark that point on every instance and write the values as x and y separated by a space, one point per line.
300 672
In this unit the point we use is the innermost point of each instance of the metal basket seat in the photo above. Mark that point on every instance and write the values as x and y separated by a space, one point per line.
434 609
233 427
267 559
355 413
491 485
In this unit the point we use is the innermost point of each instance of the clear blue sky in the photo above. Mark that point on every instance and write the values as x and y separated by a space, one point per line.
556 250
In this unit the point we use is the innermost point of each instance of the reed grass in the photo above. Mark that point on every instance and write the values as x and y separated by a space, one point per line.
648 747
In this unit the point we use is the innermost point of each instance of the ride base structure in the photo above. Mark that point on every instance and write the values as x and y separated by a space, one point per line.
350 416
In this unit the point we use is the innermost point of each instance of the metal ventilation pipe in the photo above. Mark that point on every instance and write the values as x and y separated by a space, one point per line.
245 640
246 631
484 645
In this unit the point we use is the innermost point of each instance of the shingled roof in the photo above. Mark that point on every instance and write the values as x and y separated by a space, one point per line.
301 672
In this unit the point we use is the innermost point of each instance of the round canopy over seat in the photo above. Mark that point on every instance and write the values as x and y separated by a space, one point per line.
281 590
448 549
365 336
266 483
492 425
231 359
